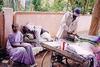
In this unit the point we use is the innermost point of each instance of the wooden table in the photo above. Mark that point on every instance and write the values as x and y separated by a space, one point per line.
50 46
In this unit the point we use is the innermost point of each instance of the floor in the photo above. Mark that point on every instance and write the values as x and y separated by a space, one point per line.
46 62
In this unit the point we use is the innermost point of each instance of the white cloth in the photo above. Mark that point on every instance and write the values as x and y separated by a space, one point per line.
37 32
45 36
83 49
36 50
67 25
30 27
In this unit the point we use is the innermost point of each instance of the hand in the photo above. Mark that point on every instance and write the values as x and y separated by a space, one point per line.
77 35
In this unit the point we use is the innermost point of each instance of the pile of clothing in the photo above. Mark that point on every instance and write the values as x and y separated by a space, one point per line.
83 49
35 35
37 32
87 49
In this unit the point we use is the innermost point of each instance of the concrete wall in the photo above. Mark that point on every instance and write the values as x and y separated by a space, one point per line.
8 20
1 29
50 21
8 17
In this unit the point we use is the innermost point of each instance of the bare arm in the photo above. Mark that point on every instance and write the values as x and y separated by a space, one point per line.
17 45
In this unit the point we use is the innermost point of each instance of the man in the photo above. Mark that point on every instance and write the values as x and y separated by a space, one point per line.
68 24
19 52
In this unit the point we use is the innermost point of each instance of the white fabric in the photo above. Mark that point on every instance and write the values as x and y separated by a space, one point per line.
30 27
36 50
47 36
40 37
81 50
37 32
53 44
84 49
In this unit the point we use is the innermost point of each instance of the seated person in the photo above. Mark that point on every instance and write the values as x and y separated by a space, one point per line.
19 52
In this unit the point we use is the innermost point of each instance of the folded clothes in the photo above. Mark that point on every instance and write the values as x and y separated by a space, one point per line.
91 39
84 49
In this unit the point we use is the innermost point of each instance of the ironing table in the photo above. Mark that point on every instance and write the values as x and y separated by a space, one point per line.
54 48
